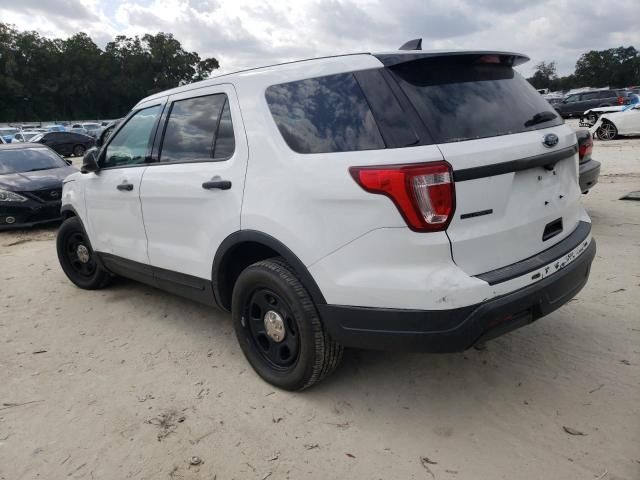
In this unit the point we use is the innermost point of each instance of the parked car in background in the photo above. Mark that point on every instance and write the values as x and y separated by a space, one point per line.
610 125
79 130
56 128
7 133
590 117
589 169
24 136
577 103
31 178
66 143
346 204
93 129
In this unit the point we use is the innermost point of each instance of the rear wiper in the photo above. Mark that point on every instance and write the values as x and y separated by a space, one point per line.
540 117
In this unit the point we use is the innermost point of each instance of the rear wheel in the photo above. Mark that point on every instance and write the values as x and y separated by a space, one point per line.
607 131
279 329
79 150
77 258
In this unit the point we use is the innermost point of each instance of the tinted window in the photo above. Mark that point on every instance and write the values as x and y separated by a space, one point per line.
225 141
28 160
573 98
460 99
191 129
591 96
325 114
607 94
130 145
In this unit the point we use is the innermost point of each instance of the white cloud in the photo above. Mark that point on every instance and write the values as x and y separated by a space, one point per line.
246 33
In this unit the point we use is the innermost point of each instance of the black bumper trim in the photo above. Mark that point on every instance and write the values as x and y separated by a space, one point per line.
543 258
457 329
589 173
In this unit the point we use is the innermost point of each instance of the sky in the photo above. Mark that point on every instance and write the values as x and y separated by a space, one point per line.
249 33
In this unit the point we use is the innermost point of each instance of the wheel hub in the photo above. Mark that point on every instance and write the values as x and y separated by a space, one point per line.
274 326
83 254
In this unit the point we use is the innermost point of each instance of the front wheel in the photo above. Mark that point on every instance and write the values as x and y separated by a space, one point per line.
77 258
607 131
279 329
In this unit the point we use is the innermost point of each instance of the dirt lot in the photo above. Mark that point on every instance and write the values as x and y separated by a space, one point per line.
130 382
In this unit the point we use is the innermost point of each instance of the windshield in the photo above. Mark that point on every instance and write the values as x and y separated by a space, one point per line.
28 160
459 100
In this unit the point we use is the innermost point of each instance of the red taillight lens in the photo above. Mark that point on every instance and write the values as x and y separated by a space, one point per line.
620 100
586 147
423 192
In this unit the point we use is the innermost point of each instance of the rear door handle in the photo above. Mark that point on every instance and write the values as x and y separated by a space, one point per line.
220 184
125 187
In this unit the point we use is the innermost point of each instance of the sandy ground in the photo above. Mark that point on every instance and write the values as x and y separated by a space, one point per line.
130 382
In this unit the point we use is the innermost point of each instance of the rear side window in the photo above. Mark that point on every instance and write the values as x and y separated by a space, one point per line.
460 99
325 114
198 129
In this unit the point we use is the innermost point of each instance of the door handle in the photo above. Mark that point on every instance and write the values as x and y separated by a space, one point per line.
220 184
125 187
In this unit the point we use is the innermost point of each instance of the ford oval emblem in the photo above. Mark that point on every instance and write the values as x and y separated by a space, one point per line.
550 140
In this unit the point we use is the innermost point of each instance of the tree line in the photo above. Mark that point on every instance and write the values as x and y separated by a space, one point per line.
615 67
48 79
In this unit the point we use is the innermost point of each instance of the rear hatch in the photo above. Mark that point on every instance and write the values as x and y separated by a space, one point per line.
515 162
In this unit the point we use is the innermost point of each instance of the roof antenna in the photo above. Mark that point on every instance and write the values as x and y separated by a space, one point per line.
415 44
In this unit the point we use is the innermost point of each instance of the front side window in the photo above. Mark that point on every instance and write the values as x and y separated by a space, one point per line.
572 99
198 129
130 145
324 114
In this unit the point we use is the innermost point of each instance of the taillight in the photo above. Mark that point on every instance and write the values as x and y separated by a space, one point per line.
586 147
423 192
621 100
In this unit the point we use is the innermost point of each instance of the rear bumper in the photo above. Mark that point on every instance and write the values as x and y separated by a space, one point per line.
456 329
589 173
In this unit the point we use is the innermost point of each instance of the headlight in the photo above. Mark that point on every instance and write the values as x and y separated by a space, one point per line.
6 196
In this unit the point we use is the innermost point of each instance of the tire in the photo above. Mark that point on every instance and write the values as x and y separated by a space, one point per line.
78 150
607 131
87 273
305 353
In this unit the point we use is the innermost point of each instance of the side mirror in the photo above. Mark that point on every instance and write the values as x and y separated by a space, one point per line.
90 161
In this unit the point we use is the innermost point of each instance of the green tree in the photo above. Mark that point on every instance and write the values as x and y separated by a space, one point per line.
544 75
615 67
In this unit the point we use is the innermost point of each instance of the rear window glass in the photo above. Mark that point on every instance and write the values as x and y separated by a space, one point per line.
459 100
325 114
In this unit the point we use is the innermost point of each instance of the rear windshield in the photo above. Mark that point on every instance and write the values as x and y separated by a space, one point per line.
459 100
28 160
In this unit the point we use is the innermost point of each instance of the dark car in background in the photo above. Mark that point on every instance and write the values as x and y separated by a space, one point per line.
66 143
31 178
576 103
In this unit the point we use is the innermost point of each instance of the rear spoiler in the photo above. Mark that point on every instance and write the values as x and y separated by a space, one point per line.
505 58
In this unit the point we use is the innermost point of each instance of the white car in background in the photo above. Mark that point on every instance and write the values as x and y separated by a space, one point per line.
590 117
610 125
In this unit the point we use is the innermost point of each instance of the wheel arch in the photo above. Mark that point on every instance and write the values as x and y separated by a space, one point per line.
245 247
67 211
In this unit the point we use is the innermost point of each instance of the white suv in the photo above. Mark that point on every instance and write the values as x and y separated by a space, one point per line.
405 200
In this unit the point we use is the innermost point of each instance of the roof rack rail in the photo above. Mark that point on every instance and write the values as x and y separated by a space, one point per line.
415 44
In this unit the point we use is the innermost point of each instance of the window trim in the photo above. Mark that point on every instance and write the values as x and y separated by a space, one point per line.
152 134
166 115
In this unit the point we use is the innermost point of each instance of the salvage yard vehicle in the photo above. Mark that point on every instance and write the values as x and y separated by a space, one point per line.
591 116
577 103
610 125
66 143
408 200
30 184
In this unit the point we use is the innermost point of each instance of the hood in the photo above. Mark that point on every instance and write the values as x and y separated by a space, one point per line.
38 180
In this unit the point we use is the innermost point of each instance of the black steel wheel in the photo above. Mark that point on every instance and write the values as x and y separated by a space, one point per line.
279 329
77 258
273 328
